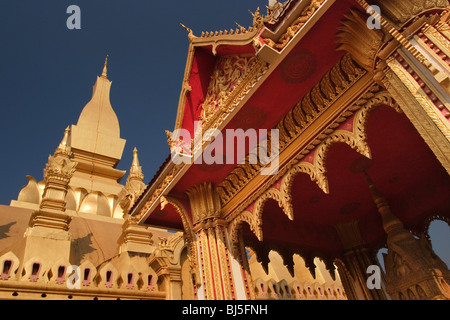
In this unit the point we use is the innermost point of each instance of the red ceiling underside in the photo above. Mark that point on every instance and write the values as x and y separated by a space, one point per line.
202 67
403 168
168 217
274 98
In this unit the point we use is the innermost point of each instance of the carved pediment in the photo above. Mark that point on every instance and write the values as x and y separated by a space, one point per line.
400 11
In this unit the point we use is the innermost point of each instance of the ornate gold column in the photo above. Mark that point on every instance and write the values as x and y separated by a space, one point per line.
47 235
352 267
409 91
57 173
215 258
409 57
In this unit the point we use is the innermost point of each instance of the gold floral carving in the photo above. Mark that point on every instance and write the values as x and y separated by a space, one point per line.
204 201
420 96
443 25
361 42
275 11
295 26
437 38
61 167
232 79
332 86
420 110
215 119
395 33
258 20
400 11
227 75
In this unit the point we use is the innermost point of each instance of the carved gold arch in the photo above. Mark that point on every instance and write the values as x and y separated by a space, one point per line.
349 128
189 234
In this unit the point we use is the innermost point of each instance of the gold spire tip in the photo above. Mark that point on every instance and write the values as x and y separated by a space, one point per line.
186 28
105 68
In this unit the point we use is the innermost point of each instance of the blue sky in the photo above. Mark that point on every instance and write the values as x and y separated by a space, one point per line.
47 73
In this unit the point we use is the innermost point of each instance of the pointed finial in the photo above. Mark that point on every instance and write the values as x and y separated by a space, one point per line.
105 68
136 169
187 29
64 147
391 223
242 29
135 157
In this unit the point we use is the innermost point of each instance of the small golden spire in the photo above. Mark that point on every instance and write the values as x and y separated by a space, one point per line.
105 68
64 147
136 169
135 157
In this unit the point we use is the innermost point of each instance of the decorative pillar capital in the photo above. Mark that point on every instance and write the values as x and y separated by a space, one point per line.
205 203
215 260
361 42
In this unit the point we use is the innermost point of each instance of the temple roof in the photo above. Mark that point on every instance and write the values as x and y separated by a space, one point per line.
266 75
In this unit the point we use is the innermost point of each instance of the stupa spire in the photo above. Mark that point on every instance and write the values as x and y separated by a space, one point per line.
97 130
410 261
64 146
136 169
134 185
105 68
95 141
391 224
